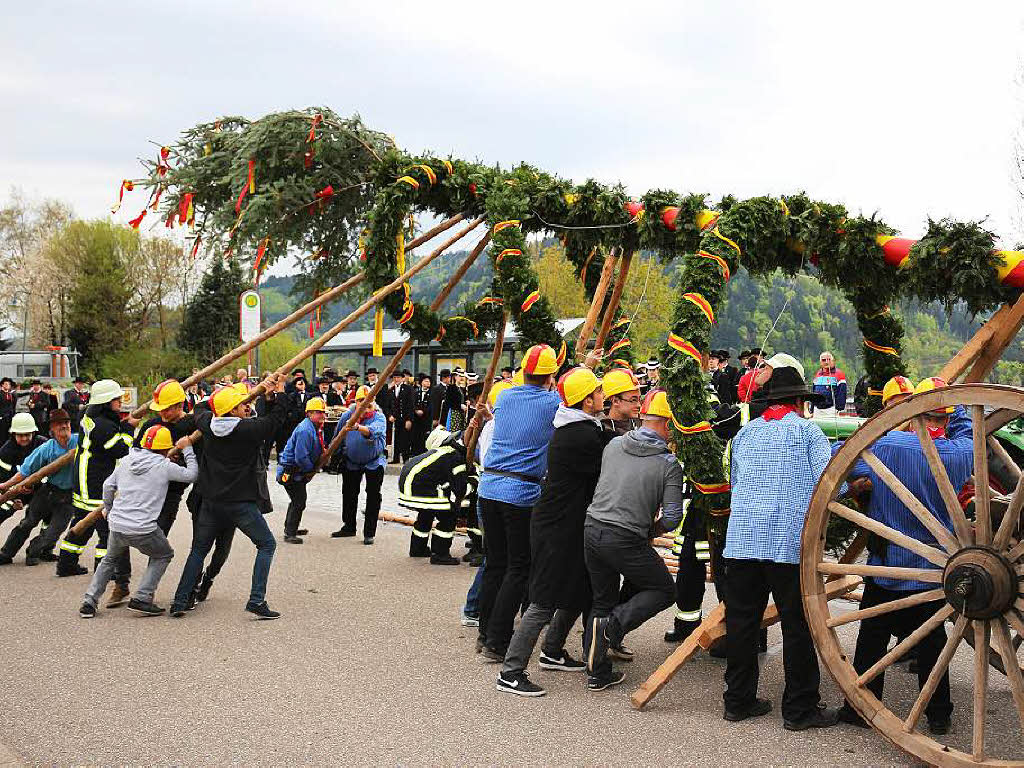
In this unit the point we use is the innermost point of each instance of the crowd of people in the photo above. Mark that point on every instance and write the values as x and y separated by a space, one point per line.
571 479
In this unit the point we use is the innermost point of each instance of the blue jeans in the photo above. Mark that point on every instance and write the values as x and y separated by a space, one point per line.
213 518
472 606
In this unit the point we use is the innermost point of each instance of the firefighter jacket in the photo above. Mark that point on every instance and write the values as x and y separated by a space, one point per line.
103 440
438 481
12 454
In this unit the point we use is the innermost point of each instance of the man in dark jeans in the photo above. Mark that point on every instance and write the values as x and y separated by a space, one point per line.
231 461
639 476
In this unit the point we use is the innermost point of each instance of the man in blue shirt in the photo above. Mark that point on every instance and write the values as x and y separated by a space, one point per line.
51 504
297 464
777 459
901 452
514 467
365 454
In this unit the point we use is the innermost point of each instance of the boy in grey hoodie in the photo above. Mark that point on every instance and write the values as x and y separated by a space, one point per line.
140 483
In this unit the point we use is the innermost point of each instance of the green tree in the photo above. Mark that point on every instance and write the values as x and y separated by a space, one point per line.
210 325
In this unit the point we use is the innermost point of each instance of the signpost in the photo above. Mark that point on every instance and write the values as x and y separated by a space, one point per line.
250 321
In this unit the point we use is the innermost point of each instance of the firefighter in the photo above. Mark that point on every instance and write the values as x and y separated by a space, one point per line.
298 465
22 442
103 439
437 484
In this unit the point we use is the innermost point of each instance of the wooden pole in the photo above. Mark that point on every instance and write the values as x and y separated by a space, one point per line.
595 306
432 233
339 434
1005 332
273 330
473 430
613 302
50 469
959 363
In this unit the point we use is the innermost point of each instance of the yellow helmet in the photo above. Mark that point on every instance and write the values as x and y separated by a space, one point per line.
619 380
157 438
576 384
929 384
517 377
226 398
361 393
656 404
540 360
166 394
315 404
496 389
897 385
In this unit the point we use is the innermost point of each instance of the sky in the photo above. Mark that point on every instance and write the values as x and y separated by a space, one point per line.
908 109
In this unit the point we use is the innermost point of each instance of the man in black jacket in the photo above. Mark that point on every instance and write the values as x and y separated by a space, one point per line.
75 401
437 393
559 588
8 401
22 442
228 482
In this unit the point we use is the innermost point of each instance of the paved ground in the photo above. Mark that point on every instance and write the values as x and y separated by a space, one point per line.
369 665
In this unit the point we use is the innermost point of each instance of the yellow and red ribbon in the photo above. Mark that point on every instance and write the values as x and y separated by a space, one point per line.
249 188
507 252
708 488
719 261
718 233
407 315
620 344
186 210
562 352
700 426
702 304
505 225
620 363
134 223
879 348
448 167
680 344
429 172
489 300
127 185
621 322
476 330
530 300
410 181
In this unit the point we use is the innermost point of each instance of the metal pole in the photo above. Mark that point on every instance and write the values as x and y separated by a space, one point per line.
24 334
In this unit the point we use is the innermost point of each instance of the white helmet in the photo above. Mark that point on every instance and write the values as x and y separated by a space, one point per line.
437 437
105 390
23 424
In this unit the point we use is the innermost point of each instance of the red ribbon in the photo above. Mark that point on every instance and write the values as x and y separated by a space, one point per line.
134 223
250 186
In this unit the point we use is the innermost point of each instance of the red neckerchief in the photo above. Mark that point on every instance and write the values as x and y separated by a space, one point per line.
936 432
320 437
368 414
775 412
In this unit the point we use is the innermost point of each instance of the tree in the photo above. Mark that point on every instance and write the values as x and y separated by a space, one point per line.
210 325
159 275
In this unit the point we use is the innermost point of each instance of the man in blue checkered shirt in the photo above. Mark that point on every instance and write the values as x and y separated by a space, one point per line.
776 462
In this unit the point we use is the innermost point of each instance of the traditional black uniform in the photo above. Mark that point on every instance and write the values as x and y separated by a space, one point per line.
437 484
75 403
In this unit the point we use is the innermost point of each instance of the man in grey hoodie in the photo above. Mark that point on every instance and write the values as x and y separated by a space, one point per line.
639 475
140 483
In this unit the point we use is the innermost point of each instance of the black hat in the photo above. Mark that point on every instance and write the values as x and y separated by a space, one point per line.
323 380
444 373
351 373
8 378
371 370
756 351
77 380
653 364
423 376
406 372
507 368
787 383
34 382
299 372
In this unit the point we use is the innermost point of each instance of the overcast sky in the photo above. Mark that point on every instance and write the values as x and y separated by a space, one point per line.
911 109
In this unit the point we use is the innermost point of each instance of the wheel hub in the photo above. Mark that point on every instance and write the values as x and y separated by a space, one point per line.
979 583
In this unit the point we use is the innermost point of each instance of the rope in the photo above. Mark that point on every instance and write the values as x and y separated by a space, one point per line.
595 226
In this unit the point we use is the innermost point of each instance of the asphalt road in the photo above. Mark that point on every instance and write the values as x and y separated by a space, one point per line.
368 665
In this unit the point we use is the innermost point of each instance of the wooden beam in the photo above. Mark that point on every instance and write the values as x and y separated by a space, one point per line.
613 302
473 429
1006 328
959 363
595 306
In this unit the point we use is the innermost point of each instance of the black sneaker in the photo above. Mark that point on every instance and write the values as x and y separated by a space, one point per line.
600 682
148 609
519 684
443 560
30 560
6 559
367 540
850 716
263 611
202 591
302 532
74 570
819 718
87 611
343 533
48 557
620 652
177 610
940 726
598 643
293 539
491 655
562 663
757 709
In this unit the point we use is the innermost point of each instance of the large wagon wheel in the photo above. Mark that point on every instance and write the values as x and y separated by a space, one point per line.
978 587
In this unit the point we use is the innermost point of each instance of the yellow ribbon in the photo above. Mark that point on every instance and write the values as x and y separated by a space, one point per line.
717 233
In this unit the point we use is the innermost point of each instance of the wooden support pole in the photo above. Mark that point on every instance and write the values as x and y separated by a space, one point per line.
959 363
613 302
595 306
473 430
430 234
442 296
50 469
1005 331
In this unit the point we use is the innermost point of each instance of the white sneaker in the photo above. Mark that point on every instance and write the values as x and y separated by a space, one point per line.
469 621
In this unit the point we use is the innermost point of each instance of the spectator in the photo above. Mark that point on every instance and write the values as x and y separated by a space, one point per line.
830 383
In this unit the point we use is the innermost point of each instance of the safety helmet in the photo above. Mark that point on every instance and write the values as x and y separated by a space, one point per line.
437 437
226 398
315 404
157 438
23 424
166 394
496 389
576 384
656 404
897 385
517 377
105 390
540 360
362 392
619 380
930 383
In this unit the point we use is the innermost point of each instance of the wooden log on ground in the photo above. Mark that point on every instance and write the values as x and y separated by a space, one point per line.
595 306
613 302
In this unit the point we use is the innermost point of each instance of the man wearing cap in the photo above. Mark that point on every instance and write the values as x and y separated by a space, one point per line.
104 439
139 484
639 476
830 385
228 485
725 379
420 415
901 452
51 503
777 459
514 467
437 396
622 397
13 452
297 464
75 401
8 405
351 387
559 589
365 456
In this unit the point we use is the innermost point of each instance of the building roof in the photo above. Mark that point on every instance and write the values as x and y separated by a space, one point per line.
355 341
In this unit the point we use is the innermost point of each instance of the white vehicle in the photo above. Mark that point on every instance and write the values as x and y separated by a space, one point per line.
54 364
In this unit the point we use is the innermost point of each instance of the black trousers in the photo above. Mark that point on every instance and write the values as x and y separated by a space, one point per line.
611 552
748 584
296 490
507 573
351 479
222 542
873 643
74 543
441 536
49 507
691 579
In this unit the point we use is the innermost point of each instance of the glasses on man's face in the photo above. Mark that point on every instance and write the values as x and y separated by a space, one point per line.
632 400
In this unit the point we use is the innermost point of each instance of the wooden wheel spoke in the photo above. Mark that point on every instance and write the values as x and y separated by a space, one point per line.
1004 646
941 665
1010 517
930 575
982 491
981 645
1016 622
919 510
882 608
946 490
1016 553
931 554
997 449
909 642
1000 418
